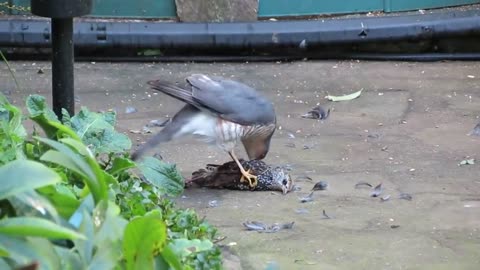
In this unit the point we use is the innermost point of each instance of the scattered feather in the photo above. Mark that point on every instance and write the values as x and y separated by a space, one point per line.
290 144
363 184
130 109
469 161
317 113
377 191
385 198
322 185
302 211
307 198
157 123
344 97
476 130
405 196
213 203
262 227
325 216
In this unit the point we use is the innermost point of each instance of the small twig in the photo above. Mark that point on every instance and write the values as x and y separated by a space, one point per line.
10 70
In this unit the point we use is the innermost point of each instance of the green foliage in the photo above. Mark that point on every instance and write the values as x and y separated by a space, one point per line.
12 132
97 131
166 177
144 238
71 200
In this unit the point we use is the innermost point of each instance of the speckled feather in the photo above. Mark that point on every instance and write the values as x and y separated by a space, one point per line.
227 176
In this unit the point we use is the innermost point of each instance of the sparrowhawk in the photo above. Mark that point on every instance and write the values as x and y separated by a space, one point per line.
222 112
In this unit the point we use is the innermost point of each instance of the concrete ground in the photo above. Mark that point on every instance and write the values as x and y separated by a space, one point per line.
408 130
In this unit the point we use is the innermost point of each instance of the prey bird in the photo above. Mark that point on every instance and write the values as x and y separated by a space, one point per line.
221 112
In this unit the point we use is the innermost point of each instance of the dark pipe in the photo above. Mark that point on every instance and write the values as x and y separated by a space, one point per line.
417 57
62 66
111 34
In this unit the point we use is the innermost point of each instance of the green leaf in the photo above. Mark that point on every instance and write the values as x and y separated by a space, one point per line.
30 203
46 118
62 198
162 175
70 259
66 118
120 164
32 226
97 130
22 175
89 169
37 106
185 247
24 251
110 225
171 258
144 238
12 132
344 97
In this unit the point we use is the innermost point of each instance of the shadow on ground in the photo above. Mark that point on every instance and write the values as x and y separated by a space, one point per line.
408 130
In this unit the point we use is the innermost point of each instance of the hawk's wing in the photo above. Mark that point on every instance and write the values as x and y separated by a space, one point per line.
231 100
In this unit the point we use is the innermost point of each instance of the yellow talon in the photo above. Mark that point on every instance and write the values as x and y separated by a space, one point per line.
250 178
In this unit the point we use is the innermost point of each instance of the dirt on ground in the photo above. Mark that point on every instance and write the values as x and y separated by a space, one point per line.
409 130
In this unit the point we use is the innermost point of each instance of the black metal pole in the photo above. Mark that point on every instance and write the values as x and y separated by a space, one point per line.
62 66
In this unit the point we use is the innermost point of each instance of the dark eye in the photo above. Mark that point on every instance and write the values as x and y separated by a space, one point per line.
284 182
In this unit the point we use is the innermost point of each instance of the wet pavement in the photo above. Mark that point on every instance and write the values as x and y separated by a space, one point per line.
408 130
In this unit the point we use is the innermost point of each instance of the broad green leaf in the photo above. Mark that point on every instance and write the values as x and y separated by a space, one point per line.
162 175
30 203
62 198
171 258
66 118
85 246
33 226
109 224
41 114
120 164
24 251
4 265
37 106
344 97
70 259
22 175
3 251
79 146
97 130
106 257
72 163
144 238
88 168
185 247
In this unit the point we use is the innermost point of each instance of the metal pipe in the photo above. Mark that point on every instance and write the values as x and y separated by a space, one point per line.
62 66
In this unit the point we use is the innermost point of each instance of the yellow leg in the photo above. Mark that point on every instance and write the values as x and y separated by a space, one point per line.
246 175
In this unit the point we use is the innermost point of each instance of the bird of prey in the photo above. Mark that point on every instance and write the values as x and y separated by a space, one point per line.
221 112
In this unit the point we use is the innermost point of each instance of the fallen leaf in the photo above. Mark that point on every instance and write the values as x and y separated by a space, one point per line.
344 97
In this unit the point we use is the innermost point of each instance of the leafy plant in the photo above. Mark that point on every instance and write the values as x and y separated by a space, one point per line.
71 199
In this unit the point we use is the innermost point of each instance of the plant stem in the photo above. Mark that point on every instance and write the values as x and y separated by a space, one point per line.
10 69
